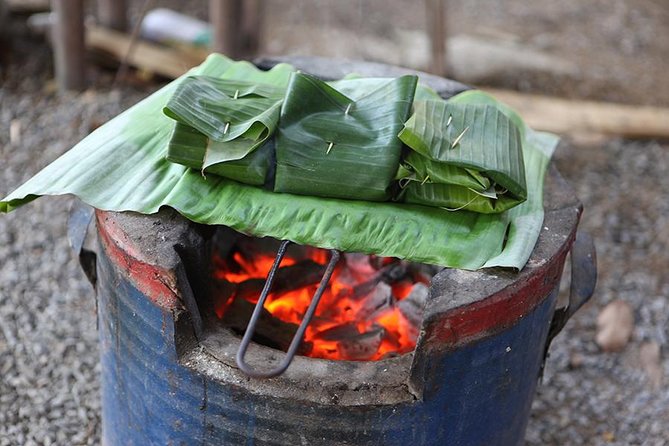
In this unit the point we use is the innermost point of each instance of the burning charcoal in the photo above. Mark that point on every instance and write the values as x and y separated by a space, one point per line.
380 298
269 331
394 272
359 265
222 290
287 278
422 272
221 293
250 289
363 346
345 277
299 252
388 274
376 261
339 332
412 306
299 275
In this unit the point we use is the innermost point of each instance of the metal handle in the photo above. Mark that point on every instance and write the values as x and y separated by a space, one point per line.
583 281
299 334
78 223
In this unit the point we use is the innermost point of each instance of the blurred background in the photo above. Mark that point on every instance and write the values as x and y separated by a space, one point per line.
595 72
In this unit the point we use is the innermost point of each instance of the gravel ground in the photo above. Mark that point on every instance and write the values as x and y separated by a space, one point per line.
48 342
590 397
49 385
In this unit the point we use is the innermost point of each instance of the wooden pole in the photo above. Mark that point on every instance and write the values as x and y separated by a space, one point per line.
226 18
113 14
68 39
252 26
436 28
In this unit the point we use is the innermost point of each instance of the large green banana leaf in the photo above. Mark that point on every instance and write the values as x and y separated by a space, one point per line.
122 167
344 146
479 138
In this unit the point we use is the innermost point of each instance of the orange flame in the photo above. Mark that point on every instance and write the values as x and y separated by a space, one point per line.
335 309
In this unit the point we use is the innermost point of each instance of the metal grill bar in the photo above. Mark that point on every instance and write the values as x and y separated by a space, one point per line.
299 334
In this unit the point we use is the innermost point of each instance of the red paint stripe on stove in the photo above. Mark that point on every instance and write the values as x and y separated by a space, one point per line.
499 311
158 284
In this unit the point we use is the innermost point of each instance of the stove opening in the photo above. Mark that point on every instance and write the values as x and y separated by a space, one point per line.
372 308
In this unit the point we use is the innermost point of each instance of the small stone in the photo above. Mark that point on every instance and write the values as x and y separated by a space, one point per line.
576 361
609 437
15 132
649 357
615 324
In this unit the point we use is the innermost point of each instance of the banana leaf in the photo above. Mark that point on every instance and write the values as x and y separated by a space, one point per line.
237 116
451 187
121 166
525 220
360 85
187 146
343 146
247 98
478 138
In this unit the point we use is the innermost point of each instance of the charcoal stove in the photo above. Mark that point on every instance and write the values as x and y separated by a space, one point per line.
171 373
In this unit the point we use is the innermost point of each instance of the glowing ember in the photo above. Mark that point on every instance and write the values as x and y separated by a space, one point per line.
371 309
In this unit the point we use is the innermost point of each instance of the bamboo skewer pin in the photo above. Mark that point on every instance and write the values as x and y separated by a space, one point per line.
459 137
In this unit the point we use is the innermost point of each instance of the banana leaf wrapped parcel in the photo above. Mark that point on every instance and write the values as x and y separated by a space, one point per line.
297 134
333 145
463 156
190 147
224 126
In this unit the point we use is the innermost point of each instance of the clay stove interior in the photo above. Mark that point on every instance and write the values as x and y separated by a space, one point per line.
369 378
371 309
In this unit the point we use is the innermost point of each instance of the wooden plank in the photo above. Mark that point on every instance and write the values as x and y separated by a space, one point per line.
164 61
68 39
564 116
